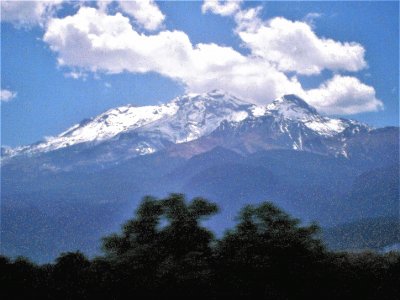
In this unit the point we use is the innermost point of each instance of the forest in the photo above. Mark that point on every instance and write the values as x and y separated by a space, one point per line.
165 250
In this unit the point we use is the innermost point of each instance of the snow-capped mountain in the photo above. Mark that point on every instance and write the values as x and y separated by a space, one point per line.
125 132
103 127
181 120
294 108
198 115
69 189
287 123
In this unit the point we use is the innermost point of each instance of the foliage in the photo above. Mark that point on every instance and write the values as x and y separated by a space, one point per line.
165 251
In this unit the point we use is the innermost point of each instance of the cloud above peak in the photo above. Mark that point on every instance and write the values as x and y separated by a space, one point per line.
112 45
95 40
293 46
344 95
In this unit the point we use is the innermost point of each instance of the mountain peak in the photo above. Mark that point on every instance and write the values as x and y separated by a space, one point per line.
291 98
292 107
199 114
218 93
210 101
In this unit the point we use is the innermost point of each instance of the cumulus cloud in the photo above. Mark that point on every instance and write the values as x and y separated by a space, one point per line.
293 46
145 12
94 41
248 20
344 95
112 45
7 95
223 8
28 13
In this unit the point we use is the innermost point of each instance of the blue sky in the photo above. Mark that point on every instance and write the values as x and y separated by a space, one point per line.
356 80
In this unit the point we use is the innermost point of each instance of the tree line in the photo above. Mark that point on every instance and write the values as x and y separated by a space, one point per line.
165 251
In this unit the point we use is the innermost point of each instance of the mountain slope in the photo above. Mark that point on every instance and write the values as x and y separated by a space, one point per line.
370 233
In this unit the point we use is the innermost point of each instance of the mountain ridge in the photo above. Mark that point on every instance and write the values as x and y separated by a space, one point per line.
141 130
68 198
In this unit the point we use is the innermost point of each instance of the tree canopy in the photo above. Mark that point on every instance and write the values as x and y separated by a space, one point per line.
166 251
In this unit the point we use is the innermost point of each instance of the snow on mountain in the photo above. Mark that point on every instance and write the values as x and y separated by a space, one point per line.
294 108
287 123
326 126
198 115
181 120
148 129
103 127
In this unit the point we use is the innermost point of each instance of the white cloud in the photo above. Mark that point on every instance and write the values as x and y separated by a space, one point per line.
31 13
293 46
344 95
223 8
93 41
145 12
111 45
248 19
28 13
7 95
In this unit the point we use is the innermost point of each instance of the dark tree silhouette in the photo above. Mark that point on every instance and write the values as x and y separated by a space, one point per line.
164 251
267 249
70 275
186 244
164 248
